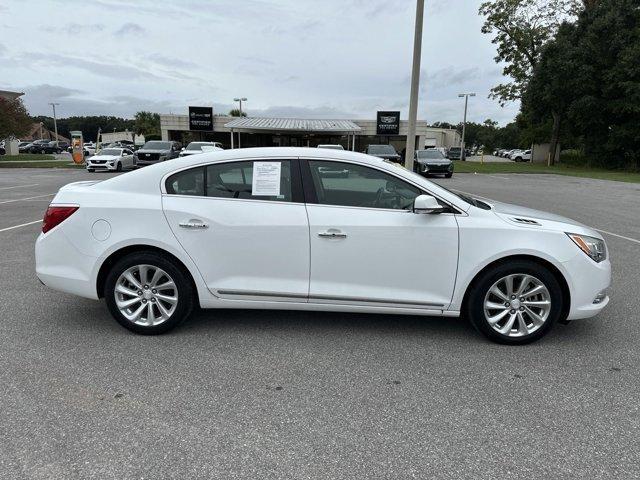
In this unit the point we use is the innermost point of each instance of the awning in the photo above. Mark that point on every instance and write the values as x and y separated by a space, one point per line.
248 124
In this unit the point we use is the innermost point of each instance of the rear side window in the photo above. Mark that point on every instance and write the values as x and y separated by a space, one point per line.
187 182
236 180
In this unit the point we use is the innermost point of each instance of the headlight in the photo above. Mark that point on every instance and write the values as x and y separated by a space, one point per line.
594 247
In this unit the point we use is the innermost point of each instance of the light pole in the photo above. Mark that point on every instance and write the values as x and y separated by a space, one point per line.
55 121
464 123
415 86
242 99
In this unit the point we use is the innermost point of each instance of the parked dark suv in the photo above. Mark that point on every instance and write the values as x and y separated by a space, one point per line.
155 151
388 152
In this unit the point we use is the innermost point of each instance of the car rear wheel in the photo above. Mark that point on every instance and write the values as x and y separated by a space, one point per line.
148 293
515 303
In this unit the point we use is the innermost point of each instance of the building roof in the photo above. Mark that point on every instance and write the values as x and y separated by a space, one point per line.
293 124
9 95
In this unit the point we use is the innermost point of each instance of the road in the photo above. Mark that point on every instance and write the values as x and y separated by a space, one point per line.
272 395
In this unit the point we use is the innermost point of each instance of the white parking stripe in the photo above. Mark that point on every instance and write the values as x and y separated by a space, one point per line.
619 236
18 226
28 198
20 186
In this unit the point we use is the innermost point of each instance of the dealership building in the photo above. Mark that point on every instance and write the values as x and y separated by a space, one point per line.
235 132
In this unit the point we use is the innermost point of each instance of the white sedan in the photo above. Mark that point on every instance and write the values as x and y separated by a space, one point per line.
111 159
265 229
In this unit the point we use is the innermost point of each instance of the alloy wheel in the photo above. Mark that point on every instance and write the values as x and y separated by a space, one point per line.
146 295
517 305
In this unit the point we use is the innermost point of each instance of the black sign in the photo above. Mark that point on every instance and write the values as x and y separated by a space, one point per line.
201 119
388 123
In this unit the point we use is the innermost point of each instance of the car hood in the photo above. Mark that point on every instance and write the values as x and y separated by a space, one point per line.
104 157
152 151
386 155
434 161
516 210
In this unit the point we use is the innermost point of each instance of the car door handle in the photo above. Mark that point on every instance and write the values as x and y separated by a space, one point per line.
192 224
332 234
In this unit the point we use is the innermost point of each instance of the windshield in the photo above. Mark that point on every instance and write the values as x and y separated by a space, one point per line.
199 145
382 150
111 151
155 145
454 149
430 154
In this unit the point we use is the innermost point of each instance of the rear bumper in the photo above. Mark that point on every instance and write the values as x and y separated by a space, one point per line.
59 265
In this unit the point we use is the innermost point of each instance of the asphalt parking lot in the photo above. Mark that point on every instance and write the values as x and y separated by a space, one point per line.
249 394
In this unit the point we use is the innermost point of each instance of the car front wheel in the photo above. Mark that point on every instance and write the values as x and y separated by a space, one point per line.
515 303
148 293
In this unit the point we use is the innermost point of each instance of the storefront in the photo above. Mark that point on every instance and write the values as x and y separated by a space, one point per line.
242 132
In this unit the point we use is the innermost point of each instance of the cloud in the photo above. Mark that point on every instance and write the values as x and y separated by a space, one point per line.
3 50
171 62
76 28
109 70
449 76
131 29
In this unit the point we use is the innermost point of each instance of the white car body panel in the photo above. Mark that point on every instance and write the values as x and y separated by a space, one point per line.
255 252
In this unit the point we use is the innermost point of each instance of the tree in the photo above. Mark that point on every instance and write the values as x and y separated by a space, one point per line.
147 123
589 76
14 119
88 125
236 113
520 29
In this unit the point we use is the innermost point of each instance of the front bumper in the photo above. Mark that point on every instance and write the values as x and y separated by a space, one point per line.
588 283
435 168
101 166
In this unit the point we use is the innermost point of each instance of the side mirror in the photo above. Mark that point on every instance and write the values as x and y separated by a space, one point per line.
427 204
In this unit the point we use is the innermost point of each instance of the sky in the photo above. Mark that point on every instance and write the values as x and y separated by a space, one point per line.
289 58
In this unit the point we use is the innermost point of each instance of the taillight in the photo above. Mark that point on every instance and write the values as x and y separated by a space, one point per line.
55 215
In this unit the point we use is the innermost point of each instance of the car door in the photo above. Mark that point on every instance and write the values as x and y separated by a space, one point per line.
367 245
127 158
248 234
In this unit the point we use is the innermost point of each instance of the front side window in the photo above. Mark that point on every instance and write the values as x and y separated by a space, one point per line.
353 185
236 180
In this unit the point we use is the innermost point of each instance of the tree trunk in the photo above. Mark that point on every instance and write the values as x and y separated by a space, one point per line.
555 138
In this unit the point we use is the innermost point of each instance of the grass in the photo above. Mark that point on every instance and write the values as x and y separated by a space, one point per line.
35 160
53 164
561 169
27 157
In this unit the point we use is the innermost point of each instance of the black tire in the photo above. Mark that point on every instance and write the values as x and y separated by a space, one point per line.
185 291
90 170
474 307
448 175
518 159
119 167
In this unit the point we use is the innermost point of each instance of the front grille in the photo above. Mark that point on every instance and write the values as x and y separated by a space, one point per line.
148 156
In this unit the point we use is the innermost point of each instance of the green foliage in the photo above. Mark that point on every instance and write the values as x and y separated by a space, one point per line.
147 123
520 28
14 119
236 113
87 125
589 76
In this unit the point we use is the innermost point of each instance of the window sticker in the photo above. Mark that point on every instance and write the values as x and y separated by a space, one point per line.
266 179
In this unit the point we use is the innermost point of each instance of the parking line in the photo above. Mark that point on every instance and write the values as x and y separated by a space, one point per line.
619 236
18 226
28 198
20 186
